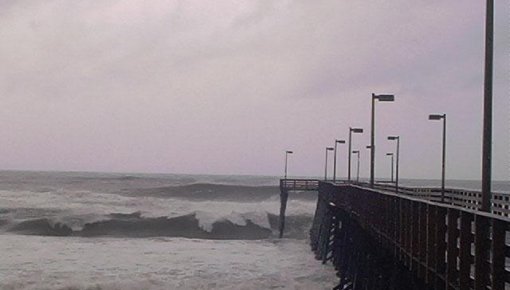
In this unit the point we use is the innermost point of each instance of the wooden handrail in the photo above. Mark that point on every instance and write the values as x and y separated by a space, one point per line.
299 184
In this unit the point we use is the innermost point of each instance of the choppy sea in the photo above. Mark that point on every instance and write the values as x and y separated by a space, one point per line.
133 231
139 231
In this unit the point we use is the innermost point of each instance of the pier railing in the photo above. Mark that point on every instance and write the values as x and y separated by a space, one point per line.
299 184
372 235
465 198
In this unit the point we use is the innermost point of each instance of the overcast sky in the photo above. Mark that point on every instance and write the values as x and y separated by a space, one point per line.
224 87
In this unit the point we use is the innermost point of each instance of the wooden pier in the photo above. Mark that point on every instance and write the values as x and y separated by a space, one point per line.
377 239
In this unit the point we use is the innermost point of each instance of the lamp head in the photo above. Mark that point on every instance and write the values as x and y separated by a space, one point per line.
330 148
340 141
355 152
289 152
384 98
389 154
356 130
436 116
393 137
369 147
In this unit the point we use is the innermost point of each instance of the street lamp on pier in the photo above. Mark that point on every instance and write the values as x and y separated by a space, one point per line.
286 157
351 130
443 162
334 158
369 150
357 166
391 154
380 98
326 162
397 138
487 109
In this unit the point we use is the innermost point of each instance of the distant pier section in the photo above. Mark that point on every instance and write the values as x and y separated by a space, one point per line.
288 185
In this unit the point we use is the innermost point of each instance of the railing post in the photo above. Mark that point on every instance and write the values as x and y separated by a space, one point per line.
465 250
452 249
481 252
405 216
415 236
431 244
422 241
440 240
498 255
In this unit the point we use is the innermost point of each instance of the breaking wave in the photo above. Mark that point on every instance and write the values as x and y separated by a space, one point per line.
196 225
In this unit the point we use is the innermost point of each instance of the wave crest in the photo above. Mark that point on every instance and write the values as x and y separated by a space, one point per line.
197 225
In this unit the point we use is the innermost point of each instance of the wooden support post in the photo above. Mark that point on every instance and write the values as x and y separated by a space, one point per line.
327 235
482 247
284 195
403 231
415 237
431 244
452 250
408 218
440 241
465 250
396 229
400 230
498 255
422 241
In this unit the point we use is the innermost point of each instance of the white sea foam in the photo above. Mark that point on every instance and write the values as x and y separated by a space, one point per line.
207 219
34 262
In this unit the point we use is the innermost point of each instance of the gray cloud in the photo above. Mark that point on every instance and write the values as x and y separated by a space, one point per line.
225 87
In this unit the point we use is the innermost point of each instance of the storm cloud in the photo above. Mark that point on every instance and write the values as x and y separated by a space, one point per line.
226 86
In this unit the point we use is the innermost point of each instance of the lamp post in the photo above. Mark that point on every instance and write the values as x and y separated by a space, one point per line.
357 166
381 98
334 158
443 163
391 154
326 162
351 130
369 150
286 157
487 108
396 166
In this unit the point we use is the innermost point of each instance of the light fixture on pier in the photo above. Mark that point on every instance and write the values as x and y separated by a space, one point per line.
286 157
397 138
351 130
391 154
334 158
326 162
357 167
436 117
380 98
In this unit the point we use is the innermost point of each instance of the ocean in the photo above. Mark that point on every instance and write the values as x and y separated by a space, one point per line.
136 231
74 231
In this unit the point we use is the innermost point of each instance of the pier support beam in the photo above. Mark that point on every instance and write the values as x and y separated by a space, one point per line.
284 196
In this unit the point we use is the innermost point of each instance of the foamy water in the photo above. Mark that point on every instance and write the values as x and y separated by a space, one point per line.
35 262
